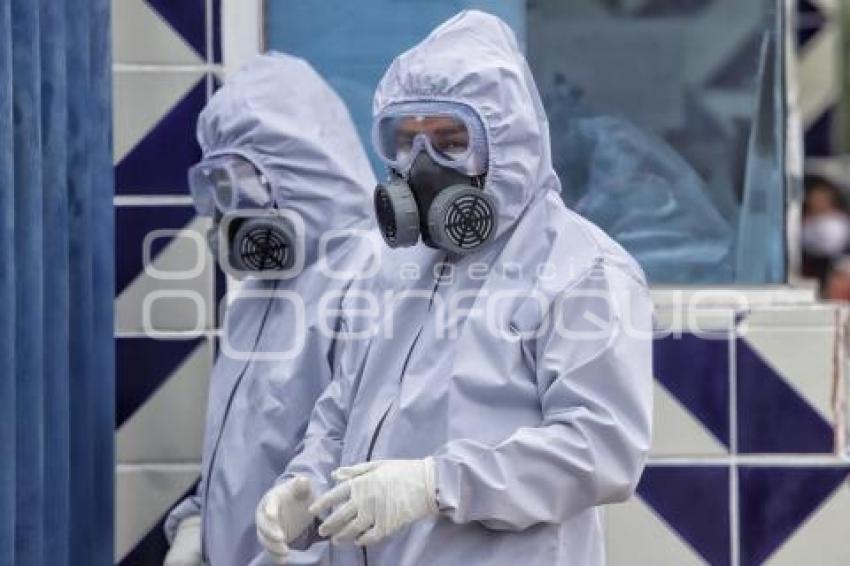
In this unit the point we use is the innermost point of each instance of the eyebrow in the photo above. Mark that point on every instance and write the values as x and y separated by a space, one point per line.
450 130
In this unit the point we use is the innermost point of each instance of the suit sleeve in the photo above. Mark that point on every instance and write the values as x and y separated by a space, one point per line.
594 378
320 451
321 448
189 507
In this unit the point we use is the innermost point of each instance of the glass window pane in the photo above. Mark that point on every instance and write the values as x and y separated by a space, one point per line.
667 116
667 121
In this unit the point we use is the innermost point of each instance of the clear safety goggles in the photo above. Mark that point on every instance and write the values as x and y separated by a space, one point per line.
451 133
227 183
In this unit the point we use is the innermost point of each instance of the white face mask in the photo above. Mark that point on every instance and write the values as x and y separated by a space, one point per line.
826 235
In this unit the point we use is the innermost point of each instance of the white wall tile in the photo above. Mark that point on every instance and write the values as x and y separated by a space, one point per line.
140 101
677 433
169 426
800 345
141 36
636 536
143 495
176 292
823 539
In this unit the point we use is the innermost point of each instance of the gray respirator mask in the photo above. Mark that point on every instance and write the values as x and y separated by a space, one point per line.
447 209
259 240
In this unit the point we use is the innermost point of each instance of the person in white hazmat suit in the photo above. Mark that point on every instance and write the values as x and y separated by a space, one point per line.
507 393
282 167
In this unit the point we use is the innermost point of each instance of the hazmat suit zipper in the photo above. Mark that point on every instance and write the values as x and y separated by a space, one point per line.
231 397
369 457
383 419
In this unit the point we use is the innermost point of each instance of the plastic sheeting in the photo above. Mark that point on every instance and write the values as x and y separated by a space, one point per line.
649 199
668 122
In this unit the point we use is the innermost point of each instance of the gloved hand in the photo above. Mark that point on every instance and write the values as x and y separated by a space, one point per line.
375 499
186 546
282 516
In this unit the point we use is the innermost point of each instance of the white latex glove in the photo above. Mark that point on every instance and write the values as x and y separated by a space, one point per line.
375 499
282 516
186 546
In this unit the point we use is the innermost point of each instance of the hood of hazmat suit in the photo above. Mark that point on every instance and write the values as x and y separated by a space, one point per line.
277 350
524 369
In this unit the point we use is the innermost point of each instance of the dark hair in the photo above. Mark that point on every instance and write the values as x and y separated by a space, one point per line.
813 182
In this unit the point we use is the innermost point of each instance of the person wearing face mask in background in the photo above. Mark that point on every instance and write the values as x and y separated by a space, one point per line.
496 440
826 227
282 165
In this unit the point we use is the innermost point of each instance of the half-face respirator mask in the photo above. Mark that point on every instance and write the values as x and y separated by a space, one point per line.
258 237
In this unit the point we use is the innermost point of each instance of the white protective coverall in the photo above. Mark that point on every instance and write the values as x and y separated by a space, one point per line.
281 115
523 369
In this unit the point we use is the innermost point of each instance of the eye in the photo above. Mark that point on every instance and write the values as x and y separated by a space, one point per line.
404 140
452 145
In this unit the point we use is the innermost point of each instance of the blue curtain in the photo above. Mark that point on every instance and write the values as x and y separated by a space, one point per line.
56 284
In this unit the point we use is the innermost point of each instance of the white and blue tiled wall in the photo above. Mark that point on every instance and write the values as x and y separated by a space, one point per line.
820 73
167 61
748 464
